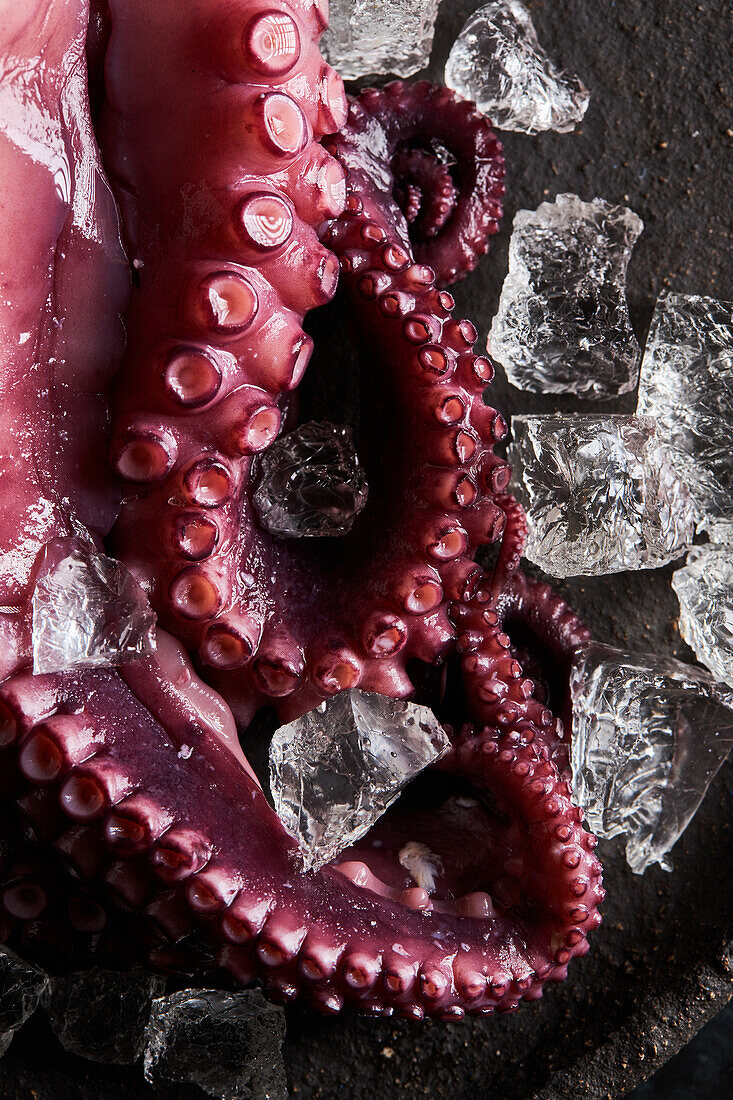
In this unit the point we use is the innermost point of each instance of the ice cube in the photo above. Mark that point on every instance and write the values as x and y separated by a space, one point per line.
704 587
310 482
563 324
21 987
379 36
335 770
497 62
88 610
649 734
686 383
101 1015
229 1044
601 494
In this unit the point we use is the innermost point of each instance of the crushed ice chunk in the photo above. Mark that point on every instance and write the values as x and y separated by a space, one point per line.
649 735
335 770
229 1044
379 36
704 587
497 62
686 383
88 610
101 1015
601 494
562 325
21 987
310 482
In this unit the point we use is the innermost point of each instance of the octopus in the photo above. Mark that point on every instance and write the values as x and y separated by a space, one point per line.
181 184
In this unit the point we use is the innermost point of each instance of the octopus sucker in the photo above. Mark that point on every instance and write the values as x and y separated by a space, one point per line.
158 261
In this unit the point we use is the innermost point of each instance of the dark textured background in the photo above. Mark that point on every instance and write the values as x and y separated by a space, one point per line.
658 136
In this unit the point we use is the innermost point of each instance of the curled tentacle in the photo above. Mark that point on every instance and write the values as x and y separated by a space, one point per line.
547 632
524 640
113 802
425 190
498 692
536 605
443 164
513 543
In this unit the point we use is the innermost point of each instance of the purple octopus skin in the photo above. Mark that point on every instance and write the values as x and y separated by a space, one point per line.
134 825
64 285
511 915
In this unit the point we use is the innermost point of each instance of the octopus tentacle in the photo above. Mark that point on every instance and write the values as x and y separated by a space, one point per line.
446 166
498 692
512 544
220 229
536 604
549 633
514 923
198 396
524 641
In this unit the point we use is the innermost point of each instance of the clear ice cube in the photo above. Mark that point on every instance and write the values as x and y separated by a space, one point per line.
335 770
102 1015
379 36
88 610
497 62
601 494
310 483
704 587
563 323
229 1044
648 737
686 383
21 987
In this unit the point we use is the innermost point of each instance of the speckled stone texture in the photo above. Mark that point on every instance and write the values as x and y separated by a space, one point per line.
656 138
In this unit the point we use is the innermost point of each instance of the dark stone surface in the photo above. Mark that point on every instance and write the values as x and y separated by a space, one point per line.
703 1068
657 137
